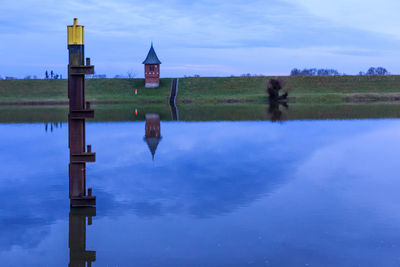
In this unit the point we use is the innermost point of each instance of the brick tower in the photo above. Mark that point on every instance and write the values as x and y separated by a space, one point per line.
152 69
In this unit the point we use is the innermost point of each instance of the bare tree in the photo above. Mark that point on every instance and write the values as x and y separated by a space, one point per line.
131 74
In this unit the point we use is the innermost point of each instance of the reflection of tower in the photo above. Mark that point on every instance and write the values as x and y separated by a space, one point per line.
78 255
78 112
152 132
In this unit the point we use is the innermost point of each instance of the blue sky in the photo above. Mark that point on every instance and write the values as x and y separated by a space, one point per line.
209 38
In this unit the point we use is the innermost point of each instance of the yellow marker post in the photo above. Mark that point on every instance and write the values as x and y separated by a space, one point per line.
76 34
79 111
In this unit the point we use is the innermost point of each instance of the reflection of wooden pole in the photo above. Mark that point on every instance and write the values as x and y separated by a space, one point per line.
79 110
78 255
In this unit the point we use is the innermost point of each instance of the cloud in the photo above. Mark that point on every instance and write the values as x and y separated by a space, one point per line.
118 35
376 16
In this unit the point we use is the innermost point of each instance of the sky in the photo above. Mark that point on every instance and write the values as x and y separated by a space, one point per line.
203 37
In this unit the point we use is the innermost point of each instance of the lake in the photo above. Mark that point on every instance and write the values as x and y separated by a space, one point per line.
298 192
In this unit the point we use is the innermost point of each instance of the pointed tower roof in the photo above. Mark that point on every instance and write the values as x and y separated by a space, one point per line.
152 143
151 57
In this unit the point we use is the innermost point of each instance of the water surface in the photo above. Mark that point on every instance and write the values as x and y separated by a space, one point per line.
297 193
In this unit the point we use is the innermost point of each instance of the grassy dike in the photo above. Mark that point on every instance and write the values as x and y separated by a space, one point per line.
202 90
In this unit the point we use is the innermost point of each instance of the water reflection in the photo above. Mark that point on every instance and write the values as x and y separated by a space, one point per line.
52 125
275 114
78 255
152 132
81 203
219 194
174 112
202 151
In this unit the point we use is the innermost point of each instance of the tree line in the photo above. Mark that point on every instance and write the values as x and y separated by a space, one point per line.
333 72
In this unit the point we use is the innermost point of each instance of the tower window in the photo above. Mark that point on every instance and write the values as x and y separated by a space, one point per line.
152 68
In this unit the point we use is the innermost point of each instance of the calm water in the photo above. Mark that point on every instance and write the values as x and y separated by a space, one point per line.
298 193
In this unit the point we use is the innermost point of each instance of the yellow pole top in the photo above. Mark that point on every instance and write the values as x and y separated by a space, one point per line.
75 34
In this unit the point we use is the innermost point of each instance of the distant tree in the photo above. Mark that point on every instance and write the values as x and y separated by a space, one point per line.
313 72
295 72
34 77
28 77
51 74
371 71
46 74
196 75
377 71
327 72
381 71
56 76
131 74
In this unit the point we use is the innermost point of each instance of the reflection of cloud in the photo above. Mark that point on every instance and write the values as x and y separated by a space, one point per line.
231 165
363 167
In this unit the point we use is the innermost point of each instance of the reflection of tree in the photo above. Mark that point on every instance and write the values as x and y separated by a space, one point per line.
274 110
275 100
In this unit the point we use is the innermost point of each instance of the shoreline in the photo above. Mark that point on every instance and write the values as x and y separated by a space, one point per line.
315 99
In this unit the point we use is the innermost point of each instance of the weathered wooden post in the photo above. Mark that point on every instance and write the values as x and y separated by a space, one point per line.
79 110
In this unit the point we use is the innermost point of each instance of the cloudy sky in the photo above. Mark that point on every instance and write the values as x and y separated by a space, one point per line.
209 38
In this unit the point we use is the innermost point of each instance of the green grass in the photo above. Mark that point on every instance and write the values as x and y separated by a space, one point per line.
14 91
203 90
301 89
